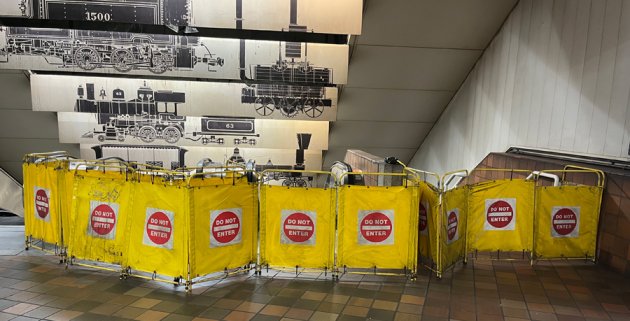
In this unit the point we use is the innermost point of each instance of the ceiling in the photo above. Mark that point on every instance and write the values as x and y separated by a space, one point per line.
409 61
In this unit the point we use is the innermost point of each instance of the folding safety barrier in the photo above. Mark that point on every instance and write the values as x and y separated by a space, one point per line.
223 216
99 214
501 215
188 225
297 226
157 229
428 211
42 209
567 218
453 225
377 227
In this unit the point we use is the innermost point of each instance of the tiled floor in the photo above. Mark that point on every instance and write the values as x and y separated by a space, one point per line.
33 287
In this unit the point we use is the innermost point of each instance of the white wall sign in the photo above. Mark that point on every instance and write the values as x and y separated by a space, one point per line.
112 52
189 131
129 96
322 16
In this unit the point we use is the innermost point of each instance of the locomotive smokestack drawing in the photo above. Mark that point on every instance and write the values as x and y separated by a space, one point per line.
304 140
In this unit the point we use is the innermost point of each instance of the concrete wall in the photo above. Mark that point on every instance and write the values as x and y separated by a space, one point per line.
555 77
21 129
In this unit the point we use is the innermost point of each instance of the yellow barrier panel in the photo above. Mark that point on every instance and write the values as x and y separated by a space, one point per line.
501 215
42 217
566 221
100 211
429 209
378 227
66 188
223 220
297 226
453 226
158 228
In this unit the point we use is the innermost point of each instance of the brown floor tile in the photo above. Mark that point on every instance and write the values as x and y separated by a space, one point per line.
316 296
337 298
227 303
515 313
274 310
410 308
41 312
167 306
355 311
150 315
139 291
406 317
250 307
20 308
542 316
361 302
542 307
615 308
298 314
564 310
106 308
129 312
145 303
64 315
324 316
239 316
412 299
385 305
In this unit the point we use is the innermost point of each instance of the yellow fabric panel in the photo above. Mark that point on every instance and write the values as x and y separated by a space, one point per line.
366 216
158 229
509 227
453 226
217 251
430 203
66 188
100 211
42 217
566 221
309 218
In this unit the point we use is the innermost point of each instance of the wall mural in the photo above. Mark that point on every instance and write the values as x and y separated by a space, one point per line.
323 16
173 157
167 128
181 98
171 55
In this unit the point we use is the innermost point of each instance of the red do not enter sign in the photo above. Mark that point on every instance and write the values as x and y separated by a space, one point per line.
42 203
376 227
500 214
103 219
565 221
298 227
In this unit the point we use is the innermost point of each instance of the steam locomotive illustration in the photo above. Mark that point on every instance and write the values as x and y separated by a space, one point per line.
302 86
153 115
157 12
123 51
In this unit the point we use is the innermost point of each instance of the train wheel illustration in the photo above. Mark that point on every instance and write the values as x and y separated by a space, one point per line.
147 134
264 106
171 134
121 138
288 107
159 65
122 60
101 138
314 109
87 58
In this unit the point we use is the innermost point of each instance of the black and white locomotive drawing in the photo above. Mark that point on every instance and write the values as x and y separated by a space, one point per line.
153 115
156 12
292 84
123 51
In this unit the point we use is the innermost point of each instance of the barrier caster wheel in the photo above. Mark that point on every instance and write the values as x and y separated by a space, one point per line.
26 248
186 288
60 261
